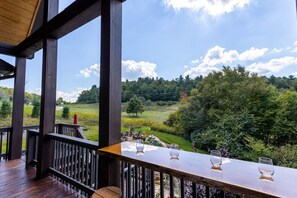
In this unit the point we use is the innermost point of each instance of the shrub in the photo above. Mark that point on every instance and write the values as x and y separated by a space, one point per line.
5 110
36 109
171 103
66 112
161 103
165 129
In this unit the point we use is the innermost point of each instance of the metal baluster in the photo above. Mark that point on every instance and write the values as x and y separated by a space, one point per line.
152 184
129 180
87 167
143 177
161 185
194 189
182 188
222 193
207 192
171 186
122 176
136 181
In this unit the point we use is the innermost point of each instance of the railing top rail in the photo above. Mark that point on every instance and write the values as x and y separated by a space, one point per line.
237 176
30 127
69 125
5 129
73 140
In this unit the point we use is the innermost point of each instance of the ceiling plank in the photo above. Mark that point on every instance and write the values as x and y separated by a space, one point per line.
74 16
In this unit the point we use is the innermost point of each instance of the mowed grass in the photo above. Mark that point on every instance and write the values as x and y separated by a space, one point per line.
172 139
88 117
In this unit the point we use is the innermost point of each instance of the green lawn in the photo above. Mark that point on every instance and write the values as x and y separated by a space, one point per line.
170 139
88 117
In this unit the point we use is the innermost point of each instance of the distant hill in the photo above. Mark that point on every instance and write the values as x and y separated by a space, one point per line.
6 92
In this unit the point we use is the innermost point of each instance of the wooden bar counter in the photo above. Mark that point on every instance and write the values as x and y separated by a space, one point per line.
237 176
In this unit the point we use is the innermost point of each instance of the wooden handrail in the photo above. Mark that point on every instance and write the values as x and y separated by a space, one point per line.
237 176
73 140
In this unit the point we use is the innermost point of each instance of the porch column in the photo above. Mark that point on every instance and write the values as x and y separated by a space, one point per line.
15 146
48 94
110 89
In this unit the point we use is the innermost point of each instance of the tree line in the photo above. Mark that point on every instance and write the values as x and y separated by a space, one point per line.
153 89
244 114
159 89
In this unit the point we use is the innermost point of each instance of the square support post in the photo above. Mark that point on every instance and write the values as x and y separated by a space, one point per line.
15 146
48 106
48 93
110 89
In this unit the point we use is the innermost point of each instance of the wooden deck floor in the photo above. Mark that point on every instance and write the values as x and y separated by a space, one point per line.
16 181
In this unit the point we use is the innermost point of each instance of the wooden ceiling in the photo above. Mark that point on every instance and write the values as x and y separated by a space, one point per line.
16 20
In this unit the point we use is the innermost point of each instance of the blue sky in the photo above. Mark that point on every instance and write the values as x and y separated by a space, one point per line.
168 38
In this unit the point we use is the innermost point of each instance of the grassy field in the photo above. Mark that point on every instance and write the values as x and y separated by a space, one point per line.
88 117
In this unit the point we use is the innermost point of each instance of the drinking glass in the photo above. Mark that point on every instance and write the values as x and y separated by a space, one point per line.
265 167
139 146
216 158
174 152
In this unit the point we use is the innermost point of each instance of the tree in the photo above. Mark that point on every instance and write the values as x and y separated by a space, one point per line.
36 109
60 101
5 110
228 105
66 112
134 106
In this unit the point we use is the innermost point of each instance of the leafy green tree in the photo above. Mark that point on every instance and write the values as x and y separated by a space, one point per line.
60 101
228 105
5 110
36 108
134 106
285 129
66 112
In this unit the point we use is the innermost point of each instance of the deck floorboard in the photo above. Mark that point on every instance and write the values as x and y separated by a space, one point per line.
16 181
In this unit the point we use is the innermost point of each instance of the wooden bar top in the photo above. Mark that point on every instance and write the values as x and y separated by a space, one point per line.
237 176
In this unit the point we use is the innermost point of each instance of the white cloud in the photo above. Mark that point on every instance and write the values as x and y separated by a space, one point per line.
70 96
202 69
92 70
218 56
252 54
196 61
67 96
274 65
275 50
186 66
211 7
133 69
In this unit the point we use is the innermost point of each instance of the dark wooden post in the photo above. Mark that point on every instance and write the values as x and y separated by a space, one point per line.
48 94
15 146
110 88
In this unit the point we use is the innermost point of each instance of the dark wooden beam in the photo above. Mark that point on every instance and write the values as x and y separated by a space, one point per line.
6 49
15 146
77 14
7 77
110 88
48 94
6 68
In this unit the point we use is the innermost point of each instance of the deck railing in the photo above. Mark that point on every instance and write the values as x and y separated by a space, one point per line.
75 162
4 142
32 139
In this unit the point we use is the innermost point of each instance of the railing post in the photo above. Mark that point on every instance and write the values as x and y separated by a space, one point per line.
48 94
15 146
110 89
